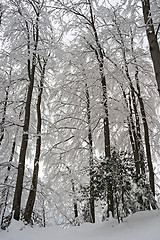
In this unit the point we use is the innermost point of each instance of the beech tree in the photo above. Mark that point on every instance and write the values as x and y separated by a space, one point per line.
31 65
152 35
136 128
32 193
11 113
79 100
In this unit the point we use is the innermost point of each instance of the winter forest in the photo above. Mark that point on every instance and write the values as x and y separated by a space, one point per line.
79 110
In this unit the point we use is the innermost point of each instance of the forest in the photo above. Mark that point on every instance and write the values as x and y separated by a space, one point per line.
79 110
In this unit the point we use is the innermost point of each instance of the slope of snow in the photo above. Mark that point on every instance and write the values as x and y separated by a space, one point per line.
139 226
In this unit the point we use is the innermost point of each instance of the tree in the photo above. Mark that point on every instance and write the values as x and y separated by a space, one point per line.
33 189
31 66
152 35
134 123
78 96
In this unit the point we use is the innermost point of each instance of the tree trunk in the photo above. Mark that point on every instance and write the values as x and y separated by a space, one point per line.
24 144
5 192
152 40
137 165
33 189
75 207
4 115
132 134
100 58
91 164
138 134
145 125
147 144
140 165
21 165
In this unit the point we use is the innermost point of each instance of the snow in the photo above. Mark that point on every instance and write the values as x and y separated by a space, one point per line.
139 226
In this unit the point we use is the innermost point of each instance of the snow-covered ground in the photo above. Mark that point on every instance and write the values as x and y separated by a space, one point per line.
140 226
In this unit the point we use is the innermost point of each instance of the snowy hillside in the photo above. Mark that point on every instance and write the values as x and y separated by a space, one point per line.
140 226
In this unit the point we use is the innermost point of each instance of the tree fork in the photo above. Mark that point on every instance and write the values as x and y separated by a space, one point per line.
24 143
33 189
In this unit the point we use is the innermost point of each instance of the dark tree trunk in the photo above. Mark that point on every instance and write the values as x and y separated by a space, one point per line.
132 134
5 192
1 12
139 162
100 58
44 215
137 165
91 164
145 126
147 144
33 189
21 165
147 141
75 207
23 149
4 116
152 40
106 119
138 134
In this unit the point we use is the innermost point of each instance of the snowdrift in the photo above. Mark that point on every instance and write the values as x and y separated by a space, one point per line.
139 226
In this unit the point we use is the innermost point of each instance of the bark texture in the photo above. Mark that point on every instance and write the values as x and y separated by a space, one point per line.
152 40
145 125
24 143
33 189
91 163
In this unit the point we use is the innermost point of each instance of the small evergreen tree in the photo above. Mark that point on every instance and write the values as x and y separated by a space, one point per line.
129 196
